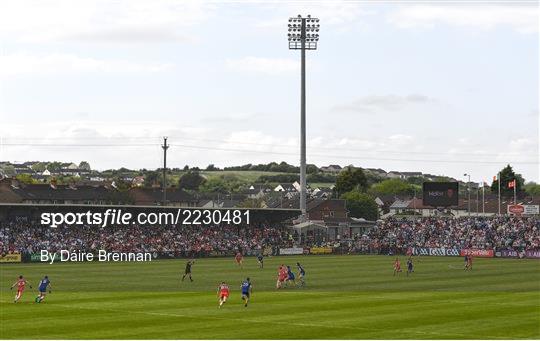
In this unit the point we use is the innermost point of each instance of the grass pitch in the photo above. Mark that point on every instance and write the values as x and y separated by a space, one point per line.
346 297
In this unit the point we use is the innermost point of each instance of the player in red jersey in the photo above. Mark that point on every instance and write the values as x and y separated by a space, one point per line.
397 266
21 285
239 259
282 276
223 293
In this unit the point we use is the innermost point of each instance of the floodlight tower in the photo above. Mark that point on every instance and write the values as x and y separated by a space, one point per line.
303 35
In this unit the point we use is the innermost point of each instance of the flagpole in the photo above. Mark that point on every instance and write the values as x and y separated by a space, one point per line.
515 196
477 194
499 193
483 199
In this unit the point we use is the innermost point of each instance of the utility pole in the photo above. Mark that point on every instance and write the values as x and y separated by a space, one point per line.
483 198
468 194
499 190
165 147
477 194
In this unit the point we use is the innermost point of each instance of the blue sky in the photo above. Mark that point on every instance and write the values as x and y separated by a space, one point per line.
438 87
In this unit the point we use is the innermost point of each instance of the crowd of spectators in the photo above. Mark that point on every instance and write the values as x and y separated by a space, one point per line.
500 233
392 234
25 238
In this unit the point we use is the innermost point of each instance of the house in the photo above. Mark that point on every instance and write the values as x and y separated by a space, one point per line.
285 188
297 187
28 171
329 220
137 181
376 171
406 175
403 175
68 165
331 169
21 168
76 172
257 191
13 191
384 201
263 187
225 203
393 175
322 193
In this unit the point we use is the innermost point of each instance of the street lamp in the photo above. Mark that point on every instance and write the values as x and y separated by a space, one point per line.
303 35
469 194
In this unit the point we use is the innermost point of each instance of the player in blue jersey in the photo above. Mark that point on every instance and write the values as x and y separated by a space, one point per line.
42 288
246 291
260 259
290 276
301 274
410 266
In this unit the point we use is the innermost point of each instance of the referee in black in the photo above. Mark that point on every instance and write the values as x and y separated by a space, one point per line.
188 270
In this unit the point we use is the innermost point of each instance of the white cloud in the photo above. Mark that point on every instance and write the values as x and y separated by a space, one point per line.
23 64
100 20
264 65
524 144
384 103
522 18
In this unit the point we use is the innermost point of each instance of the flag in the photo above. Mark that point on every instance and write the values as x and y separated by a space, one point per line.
512 184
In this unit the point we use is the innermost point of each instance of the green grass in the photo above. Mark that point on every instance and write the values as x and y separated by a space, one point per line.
347 297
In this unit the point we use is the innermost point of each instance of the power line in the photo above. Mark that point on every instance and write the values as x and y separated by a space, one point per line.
351 157
354 157
79 145
250 143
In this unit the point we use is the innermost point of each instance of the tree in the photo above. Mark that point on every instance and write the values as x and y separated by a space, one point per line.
312 169
392 186
532 189
416 180
252 203
84 165
122 185
39 167
152 178
25 178
191 181
350 179
214 185
224 183
54 166
211 167
507 174
9 170
361 205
